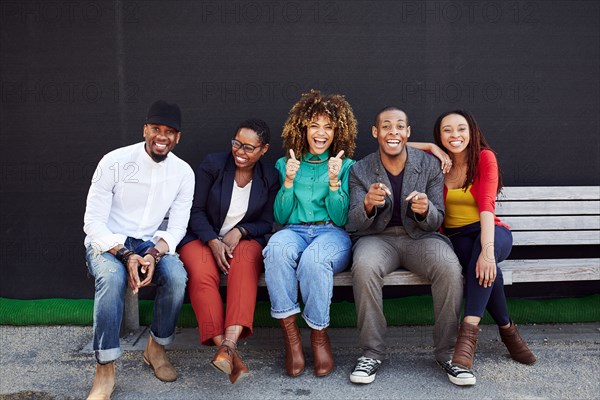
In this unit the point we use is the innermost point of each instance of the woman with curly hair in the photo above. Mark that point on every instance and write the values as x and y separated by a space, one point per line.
318 137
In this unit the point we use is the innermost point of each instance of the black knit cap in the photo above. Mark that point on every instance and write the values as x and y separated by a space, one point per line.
163 113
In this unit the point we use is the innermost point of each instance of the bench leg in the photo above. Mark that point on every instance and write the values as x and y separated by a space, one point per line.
131 314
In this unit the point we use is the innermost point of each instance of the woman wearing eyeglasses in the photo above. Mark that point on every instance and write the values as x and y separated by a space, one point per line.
231 213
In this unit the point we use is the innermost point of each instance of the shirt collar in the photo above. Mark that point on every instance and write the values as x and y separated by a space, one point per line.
319 157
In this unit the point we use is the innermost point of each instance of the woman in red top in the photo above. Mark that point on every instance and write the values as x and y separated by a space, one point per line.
479 238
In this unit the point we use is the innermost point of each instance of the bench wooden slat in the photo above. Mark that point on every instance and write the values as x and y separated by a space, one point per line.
538 270
553 270
586 207
546 193
549 223
540 238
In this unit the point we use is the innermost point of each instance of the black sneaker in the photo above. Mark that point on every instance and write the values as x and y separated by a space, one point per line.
365 370
458 375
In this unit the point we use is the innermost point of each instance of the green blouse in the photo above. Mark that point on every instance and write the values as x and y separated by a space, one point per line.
310 199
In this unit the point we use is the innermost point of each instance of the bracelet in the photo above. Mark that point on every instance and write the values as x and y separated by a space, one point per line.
335 184
154 253
243 231
123 255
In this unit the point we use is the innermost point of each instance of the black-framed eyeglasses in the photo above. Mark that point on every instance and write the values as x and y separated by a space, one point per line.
248 148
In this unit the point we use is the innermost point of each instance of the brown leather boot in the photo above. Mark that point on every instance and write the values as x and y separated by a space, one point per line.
223 359
156 357
104 382
516 346
292 341
240 370
321 348
464 351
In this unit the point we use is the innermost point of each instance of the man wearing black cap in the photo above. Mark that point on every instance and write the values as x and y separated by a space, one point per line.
133 189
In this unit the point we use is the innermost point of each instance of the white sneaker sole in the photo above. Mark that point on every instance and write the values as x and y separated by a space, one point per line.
462 381
362 379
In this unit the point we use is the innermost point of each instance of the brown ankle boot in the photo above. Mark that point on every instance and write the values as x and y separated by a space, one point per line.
104 382
321 348
292 341
156 357
516 346
464 351
239 371
223 359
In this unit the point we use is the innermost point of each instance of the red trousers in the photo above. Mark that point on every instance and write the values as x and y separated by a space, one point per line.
203 287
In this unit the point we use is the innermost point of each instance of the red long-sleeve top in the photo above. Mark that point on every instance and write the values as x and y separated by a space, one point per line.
485 185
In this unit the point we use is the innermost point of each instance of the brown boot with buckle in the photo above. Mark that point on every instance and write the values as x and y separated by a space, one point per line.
240 370
464 351
292 341
156 357
104 382
516 345
223 360
321 348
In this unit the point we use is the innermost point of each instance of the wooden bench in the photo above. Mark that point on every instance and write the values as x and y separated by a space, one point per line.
538 216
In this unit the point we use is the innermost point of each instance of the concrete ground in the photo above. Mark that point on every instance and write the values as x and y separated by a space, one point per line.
56 363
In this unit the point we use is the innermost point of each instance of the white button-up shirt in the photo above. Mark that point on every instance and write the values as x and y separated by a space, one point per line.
131 194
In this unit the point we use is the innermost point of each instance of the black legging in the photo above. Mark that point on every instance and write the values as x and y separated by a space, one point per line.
467 245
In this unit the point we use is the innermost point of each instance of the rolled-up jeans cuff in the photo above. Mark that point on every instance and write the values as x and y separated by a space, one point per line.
285 314
108 355
314 325
163 341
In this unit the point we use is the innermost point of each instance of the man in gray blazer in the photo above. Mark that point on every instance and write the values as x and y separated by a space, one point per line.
396 209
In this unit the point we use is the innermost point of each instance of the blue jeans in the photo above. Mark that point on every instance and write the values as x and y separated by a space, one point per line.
309 255
111 282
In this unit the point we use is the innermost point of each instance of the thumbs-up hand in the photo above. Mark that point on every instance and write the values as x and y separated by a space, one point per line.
335 166
291 169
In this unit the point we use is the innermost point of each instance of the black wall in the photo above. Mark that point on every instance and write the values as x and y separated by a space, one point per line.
77 78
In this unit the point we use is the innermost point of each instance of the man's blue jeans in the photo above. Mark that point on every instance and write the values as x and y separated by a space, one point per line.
111 282
309 255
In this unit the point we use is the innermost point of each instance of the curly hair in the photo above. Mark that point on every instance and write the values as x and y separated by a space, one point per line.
311 104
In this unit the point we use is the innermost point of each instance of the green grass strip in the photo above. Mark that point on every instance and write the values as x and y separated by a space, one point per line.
413 310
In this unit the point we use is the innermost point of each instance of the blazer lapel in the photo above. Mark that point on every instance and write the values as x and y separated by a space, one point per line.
382 177
257 191
412 170
226 188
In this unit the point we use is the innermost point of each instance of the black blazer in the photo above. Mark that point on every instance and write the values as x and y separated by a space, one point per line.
212 196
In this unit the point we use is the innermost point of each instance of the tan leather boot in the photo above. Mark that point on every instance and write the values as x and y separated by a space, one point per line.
292 341
156 357
464 351
321 348
516 345
240 370
104 382
223 359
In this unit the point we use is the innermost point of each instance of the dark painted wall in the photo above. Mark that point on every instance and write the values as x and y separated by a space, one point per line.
78 76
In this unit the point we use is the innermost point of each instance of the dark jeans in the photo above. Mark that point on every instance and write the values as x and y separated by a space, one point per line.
467 245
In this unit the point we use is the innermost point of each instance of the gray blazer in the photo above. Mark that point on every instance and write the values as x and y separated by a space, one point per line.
422 173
